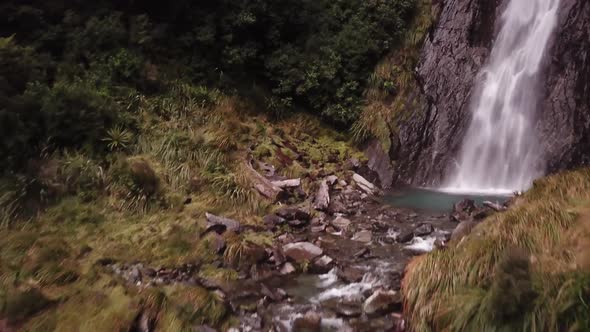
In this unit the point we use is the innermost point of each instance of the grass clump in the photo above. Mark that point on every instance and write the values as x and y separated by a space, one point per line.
484 283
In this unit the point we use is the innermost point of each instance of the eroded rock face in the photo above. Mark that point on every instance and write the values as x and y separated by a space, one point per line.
450 60
452 56
564 124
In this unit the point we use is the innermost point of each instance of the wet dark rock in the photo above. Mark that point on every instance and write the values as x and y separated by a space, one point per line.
310 322
293 213
345 309
382 302
272 221
302 251
350 274
278 256
423 229
336 206
380 162
460 217
221 224
405 236
353 163
465 206
260 272
297 223
322 264
149 272
362 253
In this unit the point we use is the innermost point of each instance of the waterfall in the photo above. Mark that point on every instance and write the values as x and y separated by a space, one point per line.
500 152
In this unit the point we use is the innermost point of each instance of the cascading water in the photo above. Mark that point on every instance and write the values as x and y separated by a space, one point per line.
500 152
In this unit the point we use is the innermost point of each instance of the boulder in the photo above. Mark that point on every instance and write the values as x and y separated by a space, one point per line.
363 236
287 268
322 264
350 274
494 206
310 322
382 302
322 198
364 185
272 220
331 180
405 236
340 223
302 251
423 229
260 183
284 184
216 223
466 205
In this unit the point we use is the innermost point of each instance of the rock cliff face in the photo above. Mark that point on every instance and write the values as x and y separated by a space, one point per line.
451 58
564 124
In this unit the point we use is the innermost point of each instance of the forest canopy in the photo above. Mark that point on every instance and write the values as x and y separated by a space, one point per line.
63 64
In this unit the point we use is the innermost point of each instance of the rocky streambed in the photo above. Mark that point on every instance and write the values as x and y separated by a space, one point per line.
336 262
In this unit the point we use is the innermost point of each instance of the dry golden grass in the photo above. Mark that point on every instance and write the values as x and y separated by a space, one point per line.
451 290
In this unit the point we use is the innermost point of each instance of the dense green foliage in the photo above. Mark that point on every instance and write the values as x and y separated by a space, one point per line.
64 65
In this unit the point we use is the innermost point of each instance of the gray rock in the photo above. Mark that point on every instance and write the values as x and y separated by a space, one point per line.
423 229
287 268
382 302
340 223
220 224
363 236
332 179
364 185
322 198
302 251
283 184
494 206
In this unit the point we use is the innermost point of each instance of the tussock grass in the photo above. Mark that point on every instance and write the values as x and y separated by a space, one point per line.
468 286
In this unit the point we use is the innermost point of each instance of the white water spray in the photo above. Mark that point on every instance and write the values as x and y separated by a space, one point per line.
500 152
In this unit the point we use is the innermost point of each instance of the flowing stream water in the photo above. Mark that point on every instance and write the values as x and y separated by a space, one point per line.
500 152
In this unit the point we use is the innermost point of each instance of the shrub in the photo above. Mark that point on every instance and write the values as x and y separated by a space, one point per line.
77 115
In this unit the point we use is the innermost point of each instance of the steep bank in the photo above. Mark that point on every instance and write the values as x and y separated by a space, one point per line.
451 57
521 270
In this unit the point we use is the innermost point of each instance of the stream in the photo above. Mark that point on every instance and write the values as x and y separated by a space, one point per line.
404 224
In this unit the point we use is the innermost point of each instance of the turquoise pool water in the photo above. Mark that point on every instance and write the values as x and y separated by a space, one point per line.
435 201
